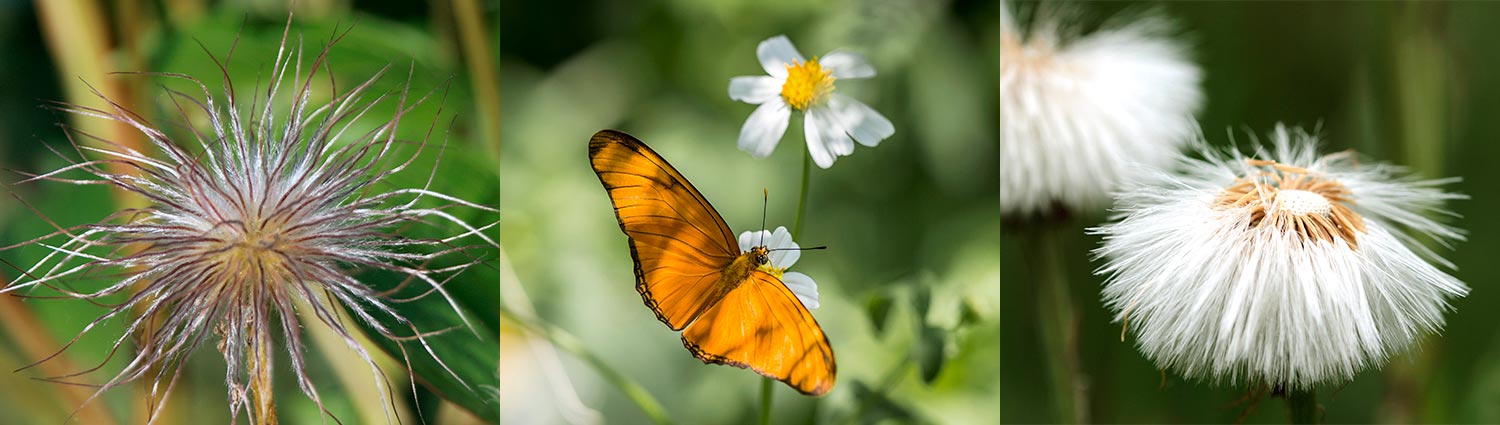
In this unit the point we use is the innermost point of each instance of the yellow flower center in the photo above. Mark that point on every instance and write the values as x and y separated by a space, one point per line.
807 84
774 271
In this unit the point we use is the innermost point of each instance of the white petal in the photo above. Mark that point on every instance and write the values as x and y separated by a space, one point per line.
847 65
754 90
812 128
834 134
788 254
803 286
764 128
775 54
862 122
750 239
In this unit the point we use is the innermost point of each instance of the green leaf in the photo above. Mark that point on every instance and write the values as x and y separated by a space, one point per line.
930 351
878 307
473 356
968 314
922 302
876 406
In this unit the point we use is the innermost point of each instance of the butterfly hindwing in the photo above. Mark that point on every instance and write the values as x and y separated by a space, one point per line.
761 325
679 243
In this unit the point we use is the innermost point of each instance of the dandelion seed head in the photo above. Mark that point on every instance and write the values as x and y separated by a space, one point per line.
1079 111
1286 268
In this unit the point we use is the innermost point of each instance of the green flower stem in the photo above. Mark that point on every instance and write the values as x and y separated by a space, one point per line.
802 199
765 400
567 342
767 383
1058 322
1302 406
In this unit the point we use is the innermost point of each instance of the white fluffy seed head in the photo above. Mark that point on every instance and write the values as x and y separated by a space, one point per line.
1077 112
1217 290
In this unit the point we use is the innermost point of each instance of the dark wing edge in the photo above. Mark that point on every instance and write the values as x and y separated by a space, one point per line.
599 142
711 358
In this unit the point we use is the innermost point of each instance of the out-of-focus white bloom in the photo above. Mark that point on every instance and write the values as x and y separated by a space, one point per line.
1075 112
833 122
1288 268
784 253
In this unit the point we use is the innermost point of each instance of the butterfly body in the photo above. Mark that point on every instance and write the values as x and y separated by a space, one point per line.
692 274
738 272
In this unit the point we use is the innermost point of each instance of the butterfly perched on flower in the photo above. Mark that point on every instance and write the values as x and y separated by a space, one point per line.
731 307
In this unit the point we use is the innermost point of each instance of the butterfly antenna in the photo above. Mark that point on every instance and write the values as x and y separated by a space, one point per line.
765 200
805 248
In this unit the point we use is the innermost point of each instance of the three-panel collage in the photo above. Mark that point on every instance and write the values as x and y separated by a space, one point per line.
515 211
748 212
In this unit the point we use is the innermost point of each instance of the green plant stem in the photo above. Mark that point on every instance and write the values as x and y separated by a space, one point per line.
767 383
765 400
1058 323
567 342
802 198
1302 406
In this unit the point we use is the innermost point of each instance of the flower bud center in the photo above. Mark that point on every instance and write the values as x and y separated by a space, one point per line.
807 84
1295 200
1301 202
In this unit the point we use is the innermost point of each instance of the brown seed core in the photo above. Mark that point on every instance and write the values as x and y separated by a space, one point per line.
1295 199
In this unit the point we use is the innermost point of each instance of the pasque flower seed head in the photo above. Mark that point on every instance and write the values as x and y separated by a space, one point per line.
275 203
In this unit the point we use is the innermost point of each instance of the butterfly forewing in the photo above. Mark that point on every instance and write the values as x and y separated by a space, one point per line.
679 243
762 326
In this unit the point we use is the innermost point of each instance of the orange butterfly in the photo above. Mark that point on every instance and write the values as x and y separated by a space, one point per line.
691 273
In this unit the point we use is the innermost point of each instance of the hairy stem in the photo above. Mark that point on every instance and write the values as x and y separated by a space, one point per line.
260 383
1058 323
1302 406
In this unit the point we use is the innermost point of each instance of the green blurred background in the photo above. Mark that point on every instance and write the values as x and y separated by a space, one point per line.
1412 83
908 283
48 54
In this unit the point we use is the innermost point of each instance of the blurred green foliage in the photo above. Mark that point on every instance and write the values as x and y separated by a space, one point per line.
908 283
1405 82
417 41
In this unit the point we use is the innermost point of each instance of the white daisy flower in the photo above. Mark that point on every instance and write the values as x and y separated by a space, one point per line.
832 121
1076 111
784 253
1288 268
